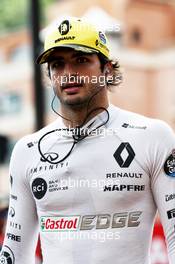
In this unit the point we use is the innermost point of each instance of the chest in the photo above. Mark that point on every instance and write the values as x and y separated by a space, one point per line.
97 175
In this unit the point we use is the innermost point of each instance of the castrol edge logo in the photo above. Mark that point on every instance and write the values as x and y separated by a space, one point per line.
89 222
59 223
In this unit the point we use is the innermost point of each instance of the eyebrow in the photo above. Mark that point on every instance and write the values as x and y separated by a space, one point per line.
80 53
75 55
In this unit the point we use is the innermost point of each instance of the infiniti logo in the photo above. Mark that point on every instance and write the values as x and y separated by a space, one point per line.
50 156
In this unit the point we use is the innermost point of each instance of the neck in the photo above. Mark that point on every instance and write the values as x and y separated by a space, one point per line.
77 114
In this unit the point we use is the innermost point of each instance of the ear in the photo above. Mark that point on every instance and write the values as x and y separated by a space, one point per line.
108 69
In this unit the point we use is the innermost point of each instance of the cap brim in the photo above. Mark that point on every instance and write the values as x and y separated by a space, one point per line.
44 57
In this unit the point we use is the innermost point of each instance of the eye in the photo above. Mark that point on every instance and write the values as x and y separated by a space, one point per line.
82 60
57 64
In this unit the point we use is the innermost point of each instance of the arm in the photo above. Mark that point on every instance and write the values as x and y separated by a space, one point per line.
163 185
22 228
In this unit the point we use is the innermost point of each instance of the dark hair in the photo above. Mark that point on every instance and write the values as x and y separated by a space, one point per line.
116 76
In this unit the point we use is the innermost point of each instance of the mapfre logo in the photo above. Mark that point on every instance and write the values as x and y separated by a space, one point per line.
59 223
50 156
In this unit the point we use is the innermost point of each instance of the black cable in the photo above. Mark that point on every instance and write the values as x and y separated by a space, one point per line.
81 137
52 106
42 155
77 137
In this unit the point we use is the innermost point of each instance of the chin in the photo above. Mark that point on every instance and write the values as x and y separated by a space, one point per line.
74 101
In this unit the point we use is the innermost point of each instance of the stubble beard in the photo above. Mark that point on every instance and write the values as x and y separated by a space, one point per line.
79 102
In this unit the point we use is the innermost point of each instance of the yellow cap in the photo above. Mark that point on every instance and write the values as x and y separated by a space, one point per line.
77 34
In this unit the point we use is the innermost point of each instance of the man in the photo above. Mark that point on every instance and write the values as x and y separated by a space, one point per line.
91 181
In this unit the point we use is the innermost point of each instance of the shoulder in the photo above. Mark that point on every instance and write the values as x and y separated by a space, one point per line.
141 128
135 121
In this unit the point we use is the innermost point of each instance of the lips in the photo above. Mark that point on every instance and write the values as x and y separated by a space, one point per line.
71 88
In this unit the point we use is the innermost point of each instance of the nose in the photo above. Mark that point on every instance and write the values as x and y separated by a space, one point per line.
69 73
68 69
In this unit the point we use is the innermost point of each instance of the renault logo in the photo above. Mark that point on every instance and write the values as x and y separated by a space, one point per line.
124 163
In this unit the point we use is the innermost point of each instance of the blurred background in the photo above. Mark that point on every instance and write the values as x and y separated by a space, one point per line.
142 36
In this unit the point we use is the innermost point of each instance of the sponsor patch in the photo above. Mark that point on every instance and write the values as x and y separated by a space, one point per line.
90 222
52 156
7 256
169 166
14 197
126 125
123 187
124 162
102 37
11 211
65 38
59 223
11 181
13 237
15 225
171 213
30 144
169 197
39 188
64 27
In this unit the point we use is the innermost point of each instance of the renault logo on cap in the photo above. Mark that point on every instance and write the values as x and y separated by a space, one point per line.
64 27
